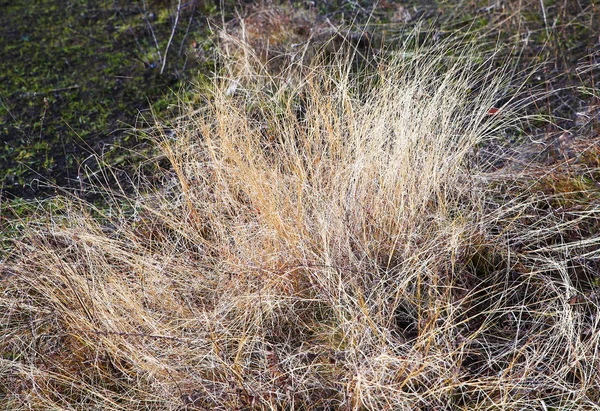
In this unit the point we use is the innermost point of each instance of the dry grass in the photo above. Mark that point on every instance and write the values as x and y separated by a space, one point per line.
324 239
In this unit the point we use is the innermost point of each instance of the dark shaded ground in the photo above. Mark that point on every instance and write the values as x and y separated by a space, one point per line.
75 76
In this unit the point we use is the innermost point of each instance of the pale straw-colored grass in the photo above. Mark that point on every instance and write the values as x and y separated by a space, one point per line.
324 239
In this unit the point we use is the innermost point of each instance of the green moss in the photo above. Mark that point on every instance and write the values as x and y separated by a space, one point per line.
75 75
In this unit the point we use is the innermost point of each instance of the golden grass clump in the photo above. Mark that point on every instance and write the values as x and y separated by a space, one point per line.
323 239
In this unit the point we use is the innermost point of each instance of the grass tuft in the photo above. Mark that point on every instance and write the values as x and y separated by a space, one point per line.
324 238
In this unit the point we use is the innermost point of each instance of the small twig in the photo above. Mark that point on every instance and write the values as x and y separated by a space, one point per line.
187 30
164 63
43 93
545 19
145 62
151 30
56 90
46 105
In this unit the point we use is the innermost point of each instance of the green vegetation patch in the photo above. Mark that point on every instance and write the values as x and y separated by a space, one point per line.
75 77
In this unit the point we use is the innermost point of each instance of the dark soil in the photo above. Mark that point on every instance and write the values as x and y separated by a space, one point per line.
76 75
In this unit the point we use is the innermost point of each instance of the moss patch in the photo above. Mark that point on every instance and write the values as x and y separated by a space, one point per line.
76 76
